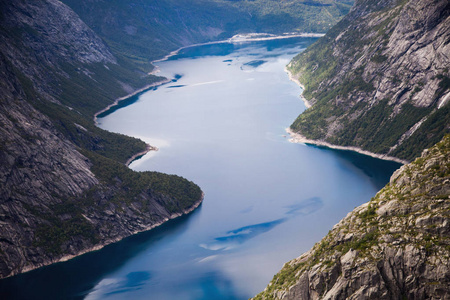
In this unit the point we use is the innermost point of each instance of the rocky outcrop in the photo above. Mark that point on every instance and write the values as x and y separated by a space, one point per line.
397 246
64 189
379 80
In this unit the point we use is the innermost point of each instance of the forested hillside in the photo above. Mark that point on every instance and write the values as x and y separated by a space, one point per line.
145 30
379 79
64 186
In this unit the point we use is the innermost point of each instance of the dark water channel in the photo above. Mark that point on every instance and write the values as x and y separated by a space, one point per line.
220 123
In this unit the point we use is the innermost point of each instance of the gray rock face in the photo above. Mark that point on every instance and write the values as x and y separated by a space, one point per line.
379 79
397 246
54 34
52 206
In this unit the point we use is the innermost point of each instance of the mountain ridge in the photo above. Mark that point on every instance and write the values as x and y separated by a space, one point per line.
379 79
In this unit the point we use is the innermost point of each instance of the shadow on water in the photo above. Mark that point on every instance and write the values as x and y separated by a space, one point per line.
124 103
131 100
379 171
220 49
245 233
75 278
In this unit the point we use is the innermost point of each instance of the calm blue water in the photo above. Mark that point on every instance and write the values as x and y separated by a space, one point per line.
220 123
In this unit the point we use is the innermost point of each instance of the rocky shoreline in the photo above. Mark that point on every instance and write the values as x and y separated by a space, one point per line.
138 155
118 100
393 247
111 241
292 78
300 139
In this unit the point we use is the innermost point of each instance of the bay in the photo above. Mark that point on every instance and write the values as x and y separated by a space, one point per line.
220 123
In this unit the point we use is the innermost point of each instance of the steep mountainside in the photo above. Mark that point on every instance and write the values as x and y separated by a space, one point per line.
379 79
397 246
142 31
64 188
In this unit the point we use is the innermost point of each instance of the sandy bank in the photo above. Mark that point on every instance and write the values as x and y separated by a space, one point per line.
292 78
138 155
298 138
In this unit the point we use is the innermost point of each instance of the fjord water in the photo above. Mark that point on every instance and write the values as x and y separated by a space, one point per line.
220 123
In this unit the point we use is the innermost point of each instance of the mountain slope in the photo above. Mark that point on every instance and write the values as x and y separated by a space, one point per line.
379 79
64 188
397 246
142 31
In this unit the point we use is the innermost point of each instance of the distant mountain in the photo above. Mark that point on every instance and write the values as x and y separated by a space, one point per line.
379 80
397 246
143 30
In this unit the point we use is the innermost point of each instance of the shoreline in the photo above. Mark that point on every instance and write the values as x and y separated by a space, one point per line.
297 138
64 258
292 78
301 139
242 38
138 155
239 38
118 100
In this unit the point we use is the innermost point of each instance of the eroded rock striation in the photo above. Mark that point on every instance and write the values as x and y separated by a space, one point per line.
379 80
396 246
64 188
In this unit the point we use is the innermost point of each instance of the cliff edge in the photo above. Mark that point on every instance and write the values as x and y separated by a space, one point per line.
379 80
396 246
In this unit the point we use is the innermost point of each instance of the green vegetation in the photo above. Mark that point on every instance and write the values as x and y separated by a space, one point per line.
63 222
70 92
140 31
431 131
415 195
82 90
345 111
177 193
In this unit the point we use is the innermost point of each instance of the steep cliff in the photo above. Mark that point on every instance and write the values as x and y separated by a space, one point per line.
64 188
379 80
397 246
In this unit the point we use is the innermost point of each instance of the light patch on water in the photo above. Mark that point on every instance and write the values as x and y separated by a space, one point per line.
216 246
99 289
208 82
208 258
113 286
154 142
